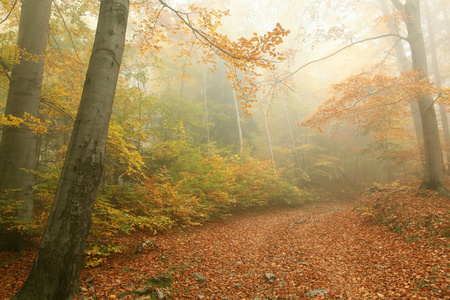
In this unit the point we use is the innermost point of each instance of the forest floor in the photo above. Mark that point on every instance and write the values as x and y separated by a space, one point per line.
322 250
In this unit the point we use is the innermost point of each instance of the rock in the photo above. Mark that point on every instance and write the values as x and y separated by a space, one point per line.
316 292
200 278
145 290
161 280
270 277
303 263
160 294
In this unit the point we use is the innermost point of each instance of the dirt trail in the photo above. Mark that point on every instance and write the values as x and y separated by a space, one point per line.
324 247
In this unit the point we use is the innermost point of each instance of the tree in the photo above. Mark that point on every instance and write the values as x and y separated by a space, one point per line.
385 97
404 65
438 79
18 143
59 257
433 173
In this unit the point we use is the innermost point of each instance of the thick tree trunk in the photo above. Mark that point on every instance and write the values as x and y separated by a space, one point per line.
18 144
59 259
433 173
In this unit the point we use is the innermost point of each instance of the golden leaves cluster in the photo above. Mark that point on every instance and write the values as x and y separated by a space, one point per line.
33 123
378 104
200 27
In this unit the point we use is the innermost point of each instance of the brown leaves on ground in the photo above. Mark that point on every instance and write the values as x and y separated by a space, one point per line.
326 246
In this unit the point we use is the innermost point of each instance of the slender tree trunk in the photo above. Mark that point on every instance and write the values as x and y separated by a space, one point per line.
269 140
238 119
438 81
59 258
444 8
291 135
433 173
18 144
206 105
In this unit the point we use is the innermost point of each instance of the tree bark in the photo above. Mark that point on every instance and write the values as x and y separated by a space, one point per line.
18 151
404 65
205 98
238 120
269 139
59 258
291 135
433 172
438 80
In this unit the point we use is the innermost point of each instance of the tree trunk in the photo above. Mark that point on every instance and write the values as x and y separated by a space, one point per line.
205 97
438 81
269 140
291 135
238 119
59 259
18 144
433 173
404 65
444 8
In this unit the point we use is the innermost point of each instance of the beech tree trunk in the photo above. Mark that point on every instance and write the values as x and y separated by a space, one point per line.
59 258
438 81
205 98
433 173
269 139
18 144
238 120
404 65
291 135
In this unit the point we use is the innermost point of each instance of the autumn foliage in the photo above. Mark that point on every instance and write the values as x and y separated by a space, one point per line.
378 104
332 247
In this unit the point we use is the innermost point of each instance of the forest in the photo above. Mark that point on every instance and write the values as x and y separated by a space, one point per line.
223 149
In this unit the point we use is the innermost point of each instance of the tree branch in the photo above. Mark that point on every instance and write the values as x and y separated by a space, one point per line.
6 68
9 13
397 4
196 31
385 57
342 49
68 31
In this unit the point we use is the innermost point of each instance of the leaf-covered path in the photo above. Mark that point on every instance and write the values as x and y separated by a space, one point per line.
325 247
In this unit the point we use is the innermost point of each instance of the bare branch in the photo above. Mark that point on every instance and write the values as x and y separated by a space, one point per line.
342 49
68 31
184 17
385 57
6 68
9 13
398 4
59 109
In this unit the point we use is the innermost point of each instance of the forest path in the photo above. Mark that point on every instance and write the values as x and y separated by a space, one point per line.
317 248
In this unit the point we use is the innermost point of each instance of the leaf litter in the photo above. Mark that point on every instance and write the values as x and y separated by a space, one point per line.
326 251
